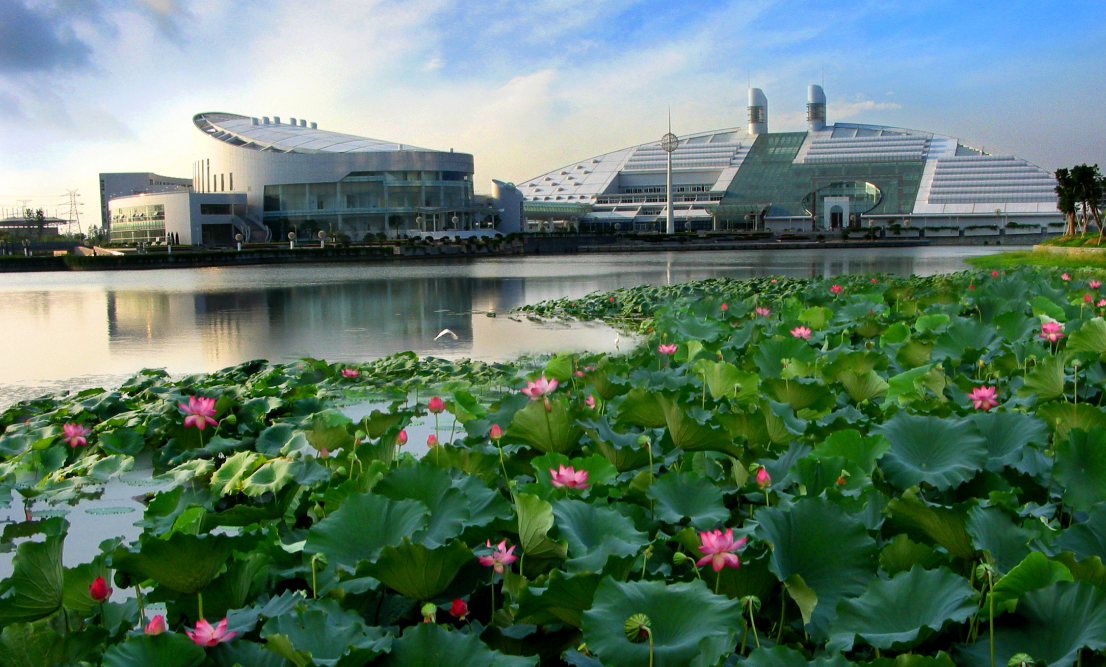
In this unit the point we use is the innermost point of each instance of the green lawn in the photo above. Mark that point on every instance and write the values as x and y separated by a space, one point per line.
1008 260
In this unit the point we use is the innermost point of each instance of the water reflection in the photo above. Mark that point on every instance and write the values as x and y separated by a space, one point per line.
69 330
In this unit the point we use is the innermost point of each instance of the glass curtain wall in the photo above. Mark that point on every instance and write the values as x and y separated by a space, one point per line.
133 224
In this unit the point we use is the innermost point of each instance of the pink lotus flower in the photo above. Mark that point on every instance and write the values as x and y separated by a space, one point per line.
156 626
874 281
725 307
350 372
431 440
1051 331
1065 277
539 388
836 289
983 398
200 411
1101 303
774 280
435 405
401 438
667 349
764 480
1095 284
99 589
205 635
611 299
763 312
496 433
1087 298
570 477
994 274
578 374
801 332
500 558
590 401
75 434
971 286
719 549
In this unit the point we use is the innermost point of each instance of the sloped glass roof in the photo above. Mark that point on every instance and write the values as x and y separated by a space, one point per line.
286 137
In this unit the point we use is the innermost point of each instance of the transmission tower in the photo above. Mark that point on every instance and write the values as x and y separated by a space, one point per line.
74 210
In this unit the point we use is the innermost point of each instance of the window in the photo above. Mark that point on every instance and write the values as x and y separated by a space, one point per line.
232 182
214 209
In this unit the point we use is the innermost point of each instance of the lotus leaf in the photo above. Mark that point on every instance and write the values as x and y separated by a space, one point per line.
562 599
1036 571
164 650
535 519
314 637
183 563
595 533
689 496
37 584
1081 467
416 571
363 525
941 452
430 644
553 431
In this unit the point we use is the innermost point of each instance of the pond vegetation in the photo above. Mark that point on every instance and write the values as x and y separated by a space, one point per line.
864 470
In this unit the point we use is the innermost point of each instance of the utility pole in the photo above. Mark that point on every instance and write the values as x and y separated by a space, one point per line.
74 211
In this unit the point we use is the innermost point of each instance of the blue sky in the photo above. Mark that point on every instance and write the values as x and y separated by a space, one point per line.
111 85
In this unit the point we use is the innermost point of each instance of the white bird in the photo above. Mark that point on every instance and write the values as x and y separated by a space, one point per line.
444 333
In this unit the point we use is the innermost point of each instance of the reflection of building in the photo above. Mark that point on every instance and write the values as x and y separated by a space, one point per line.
127 184
829 176
194 218
299 178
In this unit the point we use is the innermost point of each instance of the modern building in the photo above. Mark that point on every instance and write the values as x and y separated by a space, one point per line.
20 227
826 177
125 184
192 218
301 179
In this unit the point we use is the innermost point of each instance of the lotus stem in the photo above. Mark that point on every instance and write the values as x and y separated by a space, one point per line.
314 588
649 634
991 604
744 637
200 604
717 581
783 608
752 624
141 606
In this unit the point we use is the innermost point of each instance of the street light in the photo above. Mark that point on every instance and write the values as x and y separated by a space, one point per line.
239 238
291 240
322 239
669 143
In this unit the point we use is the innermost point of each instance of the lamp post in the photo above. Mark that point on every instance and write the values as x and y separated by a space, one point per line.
669 143
239 238
26 248
322 239
291 240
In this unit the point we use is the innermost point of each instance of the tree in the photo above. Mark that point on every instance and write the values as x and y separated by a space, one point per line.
1066 198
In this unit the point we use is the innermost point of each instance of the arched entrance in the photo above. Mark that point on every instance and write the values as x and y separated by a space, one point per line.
836 216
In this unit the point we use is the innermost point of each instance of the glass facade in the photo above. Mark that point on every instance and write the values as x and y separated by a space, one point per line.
389 202
138 223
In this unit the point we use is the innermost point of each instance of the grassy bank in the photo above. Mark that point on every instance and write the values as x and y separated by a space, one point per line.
1038 258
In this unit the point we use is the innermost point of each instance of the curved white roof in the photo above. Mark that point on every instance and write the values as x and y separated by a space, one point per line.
284 137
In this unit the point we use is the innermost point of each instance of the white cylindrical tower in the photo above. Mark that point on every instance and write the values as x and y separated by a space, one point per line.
758 112
816 108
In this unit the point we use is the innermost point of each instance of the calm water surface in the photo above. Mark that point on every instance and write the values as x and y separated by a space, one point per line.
73 330
70 330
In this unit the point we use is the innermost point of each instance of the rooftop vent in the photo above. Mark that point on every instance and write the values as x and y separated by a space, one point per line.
303 123
314 126
254 121
293 121
276 120
265 119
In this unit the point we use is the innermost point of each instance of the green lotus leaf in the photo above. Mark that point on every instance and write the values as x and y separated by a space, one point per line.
1086 539
416 571
690 626
945 525
314 637
230 476
901 611
244 652
821 543
433 487
689 434
864 451
594 533
1046 378
465 406
362 526
1007 433
994 531
562 599
553 431
914 353
1091 337
1081 467
483 504
184 563
724 379
689 496
863 387
1042 305
37 584
1052 624
1062 417
782 656
77 581
942 452
902 553
1036 571
931 323
800 394
1090 569
962 335
122 441
280 440
430 644
816 475
25 645
271 477
621 449
640 407
170 649
769 354
535 519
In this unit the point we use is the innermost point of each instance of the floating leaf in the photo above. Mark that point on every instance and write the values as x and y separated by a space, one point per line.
943 452
362 526
595 533
416 571
687 496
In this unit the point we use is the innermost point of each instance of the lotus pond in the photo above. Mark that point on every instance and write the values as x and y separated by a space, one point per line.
865 470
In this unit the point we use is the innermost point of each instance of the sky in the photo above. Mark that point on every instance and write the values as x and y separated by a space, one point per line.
89 86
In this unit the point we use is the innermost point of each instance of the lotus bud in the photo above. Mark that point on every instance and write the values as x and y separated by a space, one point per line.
459 609
401 439
156 626
496 432
435 405
99 590
679 558
431 441
429 612
637 628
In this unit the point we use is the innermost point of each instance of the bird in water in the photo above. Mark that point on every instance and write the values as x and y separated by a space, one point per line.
446 332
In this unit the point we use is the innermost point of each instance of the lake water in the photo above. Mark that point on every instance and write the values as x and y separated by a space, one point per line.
72 330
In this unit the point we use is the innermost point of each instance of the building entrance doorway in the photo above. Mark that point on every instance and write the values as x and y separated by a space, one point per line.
836 217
